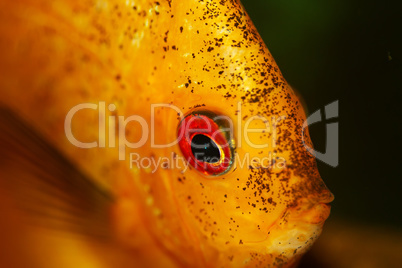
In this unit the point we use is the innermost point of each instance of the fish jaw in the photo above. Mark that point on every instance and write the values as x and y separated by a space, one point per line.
299 228
287 240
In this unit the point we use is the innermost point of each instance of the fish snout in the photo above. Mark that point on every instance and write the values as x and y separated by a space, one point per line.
325 197
313 209
317 214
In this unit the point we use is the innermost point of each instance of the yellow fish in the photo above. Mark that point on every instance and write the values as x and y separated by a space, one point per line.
149 134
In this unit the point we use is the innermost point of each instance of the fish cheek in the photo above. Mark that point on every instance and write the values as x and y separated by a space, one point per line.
230 208
222 215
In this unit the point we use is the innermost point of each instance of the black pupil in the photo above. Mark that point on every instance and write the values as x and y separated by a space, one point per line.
204 149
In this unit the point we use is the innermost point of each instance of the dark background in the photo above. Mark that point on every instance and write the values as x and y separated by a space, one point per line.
346 50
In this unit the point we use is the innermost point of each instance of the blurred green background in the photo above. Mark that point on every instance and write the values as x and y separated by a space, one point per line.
348 51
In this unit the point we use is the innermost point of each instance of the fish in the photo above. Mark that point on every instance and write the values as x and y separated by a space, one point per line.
150 134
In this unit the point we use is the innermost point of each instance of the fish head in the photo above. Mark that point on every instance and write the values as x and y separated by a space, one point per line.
263 202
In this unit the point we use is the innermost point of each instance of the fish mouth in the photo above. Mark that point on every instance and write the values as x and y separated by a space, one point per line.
320 213
300 227
315 215
311 212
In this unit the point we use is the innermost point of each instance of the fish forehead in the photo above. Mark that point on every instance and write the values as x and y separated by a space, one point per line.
186 54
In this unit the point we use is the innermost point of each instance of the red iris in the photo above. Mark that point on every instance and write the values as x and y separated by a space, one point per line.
204 144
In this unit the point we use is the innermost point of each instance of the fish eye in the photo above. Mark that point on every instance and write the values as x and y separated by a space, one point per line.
206 142
205 149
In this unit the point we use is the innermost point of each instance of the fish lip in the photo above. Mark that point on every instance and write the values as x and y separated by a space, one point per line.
329 199
328 211
317 214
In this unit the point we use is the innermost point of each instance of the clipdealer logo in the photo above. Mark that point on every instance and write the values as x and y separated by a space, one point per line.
108 125
331 155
